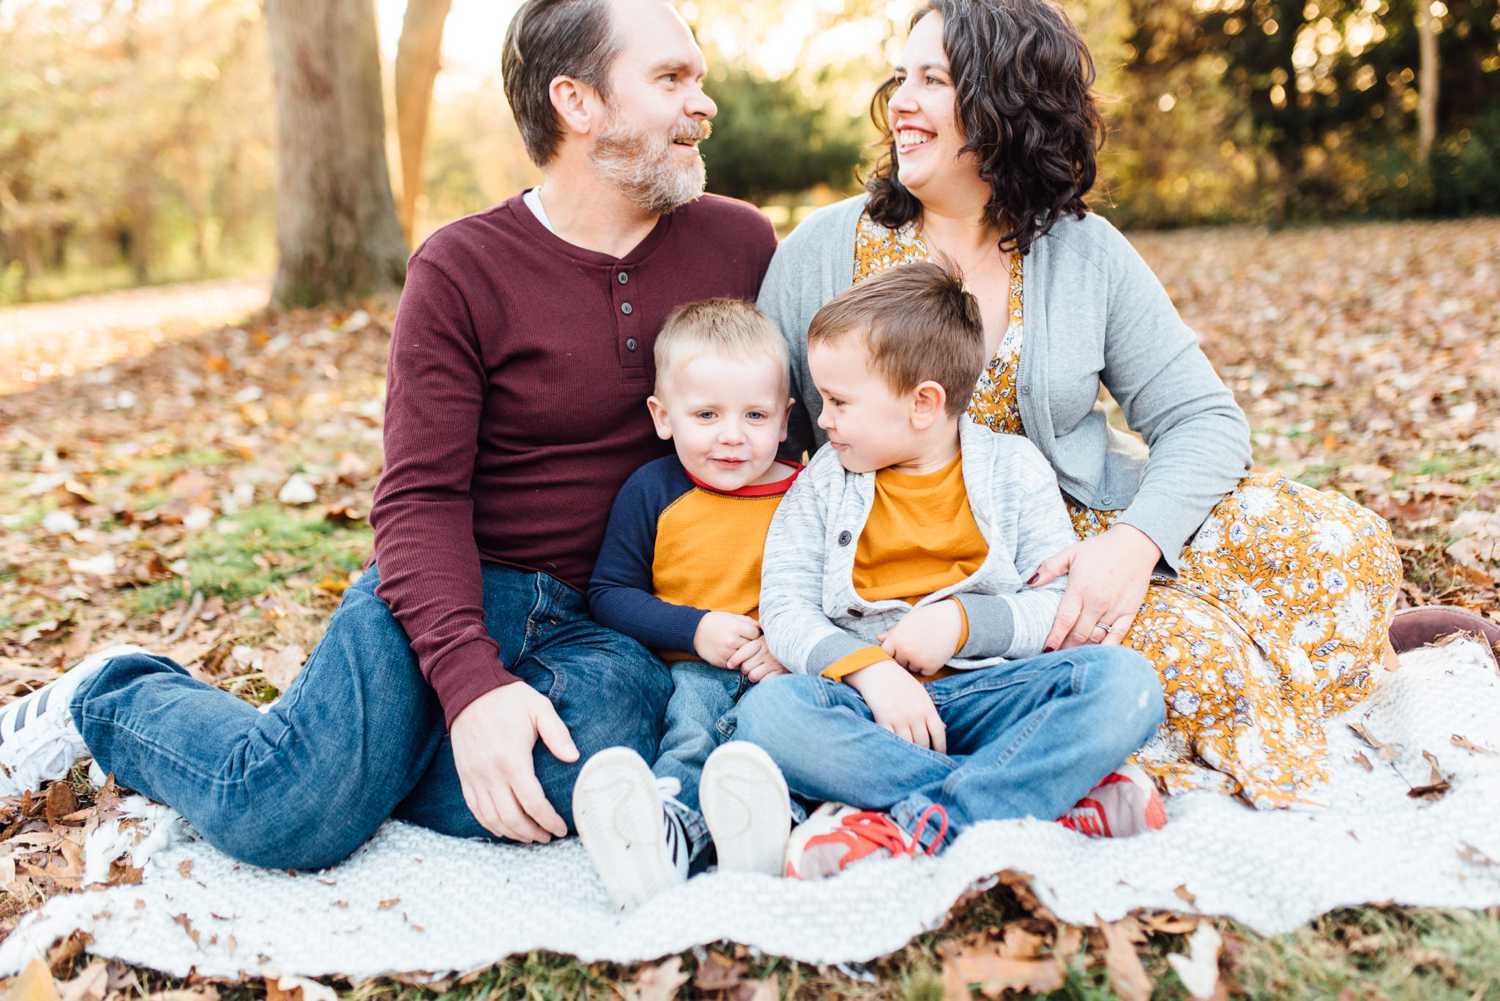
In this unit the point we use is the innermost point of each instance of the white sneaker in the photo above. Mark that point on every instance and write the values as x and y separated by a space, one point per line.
745 804
38 739
621 813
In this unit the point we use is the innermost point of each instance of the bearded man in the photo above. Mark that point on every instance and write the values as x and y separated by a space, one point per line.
519 367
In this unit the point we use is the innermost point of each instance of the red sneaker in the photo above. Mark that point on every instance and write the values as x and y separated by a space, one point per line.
837 836
1124 803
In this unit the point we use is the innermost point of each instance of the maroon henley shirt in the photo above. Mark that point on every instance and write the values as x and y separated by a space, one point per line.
515 408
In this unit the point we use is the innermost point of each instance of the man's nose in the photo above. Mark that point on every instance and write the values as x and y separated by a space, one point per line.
700 105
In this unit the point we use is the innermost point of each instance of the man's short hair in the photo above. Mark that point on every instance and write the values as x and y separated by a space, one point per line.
918 324
548 39
730 327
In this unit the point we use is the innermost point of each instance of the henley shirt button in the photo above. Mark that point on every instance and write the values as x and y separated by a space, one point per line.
624 278
630 344
845 538
626 308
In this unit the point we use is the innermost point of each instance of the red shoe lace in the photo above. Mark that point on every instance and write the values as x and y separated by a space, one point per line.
867 832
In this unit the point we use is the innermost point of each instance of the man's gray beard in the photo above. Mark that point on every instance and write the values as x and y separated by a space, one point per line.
641 166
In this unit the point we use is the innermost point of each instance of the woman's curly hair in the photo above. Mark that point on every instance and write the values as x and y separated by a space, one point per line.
1024 79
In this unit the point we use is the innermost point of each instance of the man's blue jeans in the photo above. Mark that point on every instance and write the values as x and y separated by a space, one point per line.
359 736
1025 739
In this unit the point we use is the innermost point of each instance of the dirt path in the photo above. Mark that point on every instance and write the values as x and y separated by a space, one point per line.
47 341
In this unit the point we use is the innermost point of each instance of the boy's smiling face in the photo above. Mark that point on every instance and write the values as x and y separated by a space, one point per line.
725 415
867 423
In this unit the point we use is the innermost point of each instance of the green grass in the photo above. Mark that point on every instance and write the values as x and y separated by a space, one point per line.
255 550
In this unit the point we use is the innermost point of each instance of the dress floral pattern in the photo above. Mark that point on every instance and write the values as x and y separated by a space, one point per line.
1276 621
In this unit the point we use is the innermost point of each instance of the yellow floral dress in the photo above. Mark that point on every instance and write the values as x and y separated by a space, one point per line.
1276 621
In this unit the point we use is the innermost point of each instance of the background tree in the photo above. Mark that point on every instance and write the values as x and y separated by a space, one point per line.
337 234
418 56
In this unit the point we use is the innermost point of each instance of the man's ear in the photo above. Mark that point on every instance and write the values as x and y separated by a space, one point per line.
576 104
659 418
929 405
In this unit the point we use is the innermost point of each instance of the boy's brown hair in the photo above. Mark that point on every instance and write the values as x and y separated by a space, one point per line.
918 324
724 326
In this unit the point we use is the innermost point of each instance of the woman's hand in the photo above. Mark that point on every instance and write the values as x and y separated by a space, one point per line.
1107 578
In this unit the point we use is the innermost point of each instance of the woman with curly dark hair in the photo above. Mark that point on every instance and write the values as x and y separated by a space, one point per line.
1264 604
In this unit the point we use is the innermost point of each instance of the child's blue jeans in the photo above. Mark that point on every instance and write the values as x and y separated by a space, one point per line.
701 695
1025 738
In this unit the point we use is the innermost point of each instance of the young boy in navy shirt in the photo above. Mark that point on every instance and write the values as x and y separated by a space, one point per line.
679 570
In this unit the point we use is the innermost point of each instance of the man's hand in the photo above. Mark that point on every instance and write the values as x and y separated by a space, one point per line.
493 739
755 662
900 704
926 638
721 634
1107 579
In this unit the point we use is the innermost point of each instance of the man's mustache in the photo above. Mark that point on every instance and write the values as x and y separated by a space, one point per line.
694 132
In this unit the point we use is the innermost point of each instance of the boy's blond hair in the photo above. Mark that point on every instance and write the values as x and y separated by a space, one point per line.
731 327
918 324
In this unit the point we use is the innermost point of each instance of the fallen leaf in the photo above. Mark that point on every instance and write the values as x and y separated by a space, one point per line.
63 953
90 985
1470 746
1363 762
61 801
1474 856
759 990
1199 969
1126 974
386 905
187 926
34 984
656 983
282 668
995 974
1384 751
1437 785
301 989
1185 894
718 973
185 868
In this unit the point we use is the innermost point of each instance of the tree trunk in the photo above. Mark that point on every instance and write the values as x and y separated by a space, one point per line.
337 236
1427 82
417 60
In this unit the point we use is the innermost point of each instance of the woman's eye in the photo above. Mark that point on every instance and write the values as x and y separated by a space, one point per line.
934 81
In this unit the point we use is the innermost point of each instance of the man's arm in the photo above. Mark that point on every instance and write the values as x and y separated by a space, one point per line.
423 514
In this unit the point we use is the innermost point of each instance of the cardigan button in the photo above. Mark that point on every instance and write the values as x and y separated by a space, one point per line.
1026 389
845 538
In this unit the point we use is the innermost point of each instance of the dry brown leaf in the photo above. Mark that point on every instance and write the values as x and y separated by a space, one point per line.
282 668
758 990
187 926
1020 943
61 801
1127 976
1183 893
1437 784
69 949
34 984
1470 746
90 985
1468 853
204 992
1363 762
656 983
185 868
1384 751
994 974
718 972
1069 940
386 905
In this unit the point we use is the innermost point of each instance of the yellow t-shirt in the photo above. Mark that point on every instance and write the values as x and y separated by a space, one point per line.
920 537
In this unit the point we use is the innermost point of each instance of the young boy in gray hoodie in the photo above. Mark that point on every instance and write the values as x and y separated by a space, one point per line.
893 587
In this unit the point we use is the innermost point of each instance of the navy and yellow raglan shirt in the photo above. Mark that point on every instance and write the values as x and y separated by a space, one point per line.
676 549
